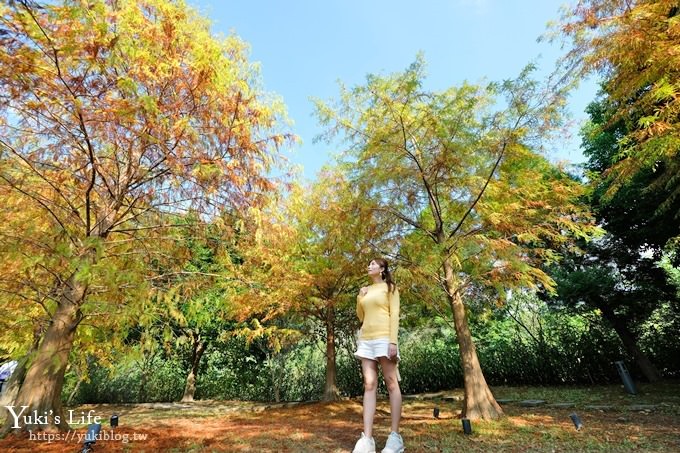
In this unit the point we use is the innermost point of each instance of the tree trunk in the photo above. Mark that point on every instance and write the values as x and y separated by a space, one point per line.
630 344
479 402
275 371
330 392
69 400
41 389
196 354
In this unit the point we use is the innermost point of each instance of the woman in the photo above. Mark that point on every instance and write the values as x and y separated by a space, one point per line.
378 310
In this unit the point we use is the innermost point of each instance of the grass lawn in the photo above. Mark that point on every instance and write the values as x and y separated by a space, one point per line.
334 427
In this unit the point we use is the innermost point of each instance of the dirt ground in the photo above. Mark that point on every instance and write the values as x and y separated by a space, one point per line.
334 427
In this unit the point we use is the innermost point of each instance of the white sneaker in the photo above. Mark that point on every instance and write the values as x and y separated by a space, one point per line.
364 445
395 444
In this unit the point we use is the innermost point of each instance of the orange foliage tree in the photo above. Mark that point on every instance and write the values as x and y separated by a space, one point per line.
304 265
337 236
112 115
633 46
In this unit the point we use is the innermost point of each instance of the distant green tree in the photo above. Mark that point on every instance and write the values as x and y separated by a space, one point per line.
198 306
619 274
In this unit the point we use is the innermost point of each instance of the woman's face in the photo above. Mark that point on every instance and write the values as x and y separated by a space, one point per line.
374 269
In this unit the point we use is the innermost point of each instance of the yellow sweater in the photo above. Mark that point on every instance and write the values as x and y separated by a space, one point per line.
379 313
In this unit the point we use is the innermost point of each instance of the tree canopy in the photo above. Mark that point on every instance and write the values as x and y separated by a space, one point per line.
632 45
459 174
115 117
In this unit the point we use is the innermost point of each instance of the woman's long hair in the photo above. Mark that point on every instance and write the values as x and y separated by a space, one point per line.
385 274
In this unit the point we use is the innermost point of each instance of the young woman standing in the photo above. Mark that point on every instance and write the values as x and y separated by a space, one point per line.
378 310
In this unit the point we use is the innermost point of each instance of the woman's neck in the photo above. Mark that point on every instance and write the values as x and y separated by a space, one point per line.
377 280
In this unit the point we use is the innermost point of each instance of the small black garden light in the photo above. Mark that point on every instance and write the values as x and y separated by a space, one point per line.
467 426
577 421
91 437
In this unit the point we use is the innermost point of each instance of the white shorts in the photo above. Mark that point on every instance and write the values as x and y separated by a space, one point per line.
372 349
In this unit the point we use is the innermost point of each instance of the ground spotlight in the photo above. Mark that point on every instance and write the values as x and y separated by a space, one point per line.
114 420
577 421
91 437
467 426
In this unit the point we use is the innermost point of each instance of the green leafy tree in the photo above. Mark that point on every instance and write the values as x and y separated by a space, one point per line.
632 214
196 310
462 181
632 142
619 274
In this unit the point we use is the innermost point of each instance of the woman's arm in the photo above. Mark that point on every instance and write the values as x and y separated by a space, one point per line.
360 309
394 316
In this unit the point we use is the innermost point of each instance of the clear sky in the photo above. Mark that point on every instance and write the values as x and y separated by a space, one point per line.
305 46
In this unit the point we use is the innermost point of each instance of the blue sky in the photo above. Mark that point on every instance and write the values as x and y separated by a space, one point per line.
305 46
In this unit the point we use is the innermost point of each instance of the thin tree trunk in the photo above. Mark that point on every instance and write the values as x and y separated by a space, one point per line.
630 344
145 367
275 373
41 389
330 392
196 354
479 402
75 390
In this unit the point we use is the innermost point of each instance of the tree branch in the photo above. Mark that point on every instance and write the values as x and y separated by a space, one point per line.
481 192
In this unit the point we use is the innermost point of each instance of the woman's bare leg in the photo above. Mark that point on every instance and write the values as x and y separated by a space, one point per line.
389 370
369 368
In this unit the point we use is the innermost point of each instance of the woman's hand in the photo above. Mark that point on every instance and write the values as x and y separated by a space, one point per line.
392 351
363 291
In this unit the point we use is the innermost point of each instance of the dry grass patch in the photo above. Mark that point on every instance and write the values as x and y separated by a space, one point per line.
334 427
